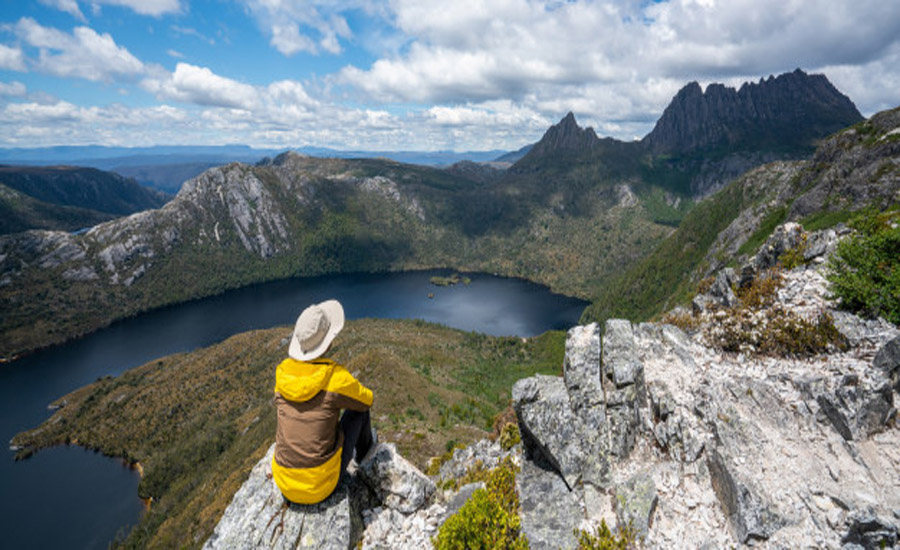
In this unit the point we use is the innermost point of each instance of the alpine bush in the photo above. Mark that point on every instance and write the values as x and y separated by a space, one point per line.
865 269
489 519
604 539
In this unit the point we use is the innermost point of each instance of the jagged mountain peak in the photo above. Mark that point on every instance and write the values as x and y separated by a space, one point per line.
566 138
786 112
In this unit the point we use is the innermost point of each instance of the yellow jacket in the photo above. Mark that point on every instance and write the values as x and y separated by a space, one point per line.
309 397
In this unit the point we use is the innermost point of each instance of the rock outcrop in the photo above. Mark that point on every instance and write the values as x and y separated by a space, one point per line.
716 449
260 517
791 110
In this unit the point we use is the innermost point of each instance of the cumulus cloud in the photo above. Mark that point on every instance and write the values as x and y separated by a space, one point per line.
617 63
466 74
310 26
84 53
199 85
37 123
11 58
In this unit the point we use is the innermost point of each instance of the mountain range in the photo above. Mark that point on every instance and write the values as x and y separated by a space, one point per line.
573 213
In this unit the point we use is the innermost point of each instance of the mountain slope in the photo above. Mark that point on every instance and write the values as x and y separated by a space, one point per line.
703 140
852 169
82 187
19 212
239 224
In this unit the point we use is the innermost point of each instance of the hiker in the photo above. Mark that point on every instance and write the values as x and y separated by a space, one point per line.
312 446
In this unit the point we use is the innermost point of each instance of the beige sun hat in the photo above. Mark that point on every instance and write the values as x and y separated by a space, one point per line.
315 329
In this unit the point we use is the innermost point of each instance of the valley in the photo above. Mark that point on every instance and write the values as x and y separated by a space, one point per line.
574 211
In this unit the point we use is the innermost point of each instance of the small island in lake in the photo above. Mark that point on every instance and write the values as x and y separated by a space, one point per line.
454 279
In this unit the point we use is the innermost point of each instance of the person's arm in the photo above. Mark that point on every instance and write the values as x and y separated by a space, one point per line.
351 394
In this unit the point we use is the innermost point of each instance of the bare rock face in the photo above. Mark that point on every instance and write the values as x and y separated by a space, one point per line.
549 511
260 517
715 449
888 361
396 482
549 427
796 108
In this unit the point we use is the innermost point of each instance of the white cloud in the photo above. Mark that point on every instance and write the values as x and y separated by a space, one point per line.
12 89
288 40
305 25
618 63
11 58
175 53
68 6
199 85
143 7
33 123
459 75
83 54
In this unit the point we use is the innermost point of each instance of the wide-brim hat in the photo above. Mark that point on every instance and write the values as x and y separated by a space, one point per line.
315 329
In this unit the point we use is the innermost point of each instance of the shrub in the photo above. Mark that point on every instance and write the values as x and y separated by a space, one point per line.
864 271
603 539
509 436
794 257
683 319
762 291
759 325
489 519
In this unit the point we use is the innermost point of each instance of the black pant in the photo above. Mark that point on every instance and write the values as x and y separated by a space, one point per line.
357 428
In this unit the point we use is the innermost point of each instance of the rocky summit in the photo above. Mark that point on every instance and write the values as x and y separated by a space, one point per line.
662 430
790 110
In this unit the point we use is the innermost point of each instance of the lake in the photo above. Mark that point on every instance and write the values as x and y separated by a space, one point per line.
87 498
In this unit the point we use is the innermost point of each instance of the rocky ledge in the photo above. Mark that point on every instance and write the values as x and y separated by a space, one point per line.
659 429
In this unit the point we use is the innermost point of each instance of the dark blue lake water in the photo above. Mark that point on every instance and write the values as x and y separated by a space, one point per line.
71 498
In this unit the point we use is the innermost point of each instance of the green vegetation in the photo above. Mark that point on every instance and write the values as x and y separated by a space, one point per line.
825 219
663 277
510 436
560 228
489 519
864 271
196 423
604 539
20 212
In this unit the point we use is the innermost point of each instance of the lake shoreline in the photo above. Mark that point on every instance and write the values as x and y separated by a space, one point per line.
463 273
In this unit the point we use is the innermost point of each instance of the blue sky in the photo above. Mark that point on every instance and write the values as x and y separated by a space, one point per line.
407 74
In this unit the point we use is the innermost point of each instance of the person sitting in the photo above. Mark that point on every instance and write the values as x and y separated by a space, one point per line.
314 443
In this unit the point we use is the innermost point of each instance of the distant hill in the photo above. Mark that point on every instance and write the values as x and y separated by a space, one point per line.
514 156
166 177
86 188
19 212
166 168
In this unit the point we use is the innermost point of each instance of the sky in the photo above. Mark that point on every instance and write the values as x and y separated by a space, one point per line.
417 75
